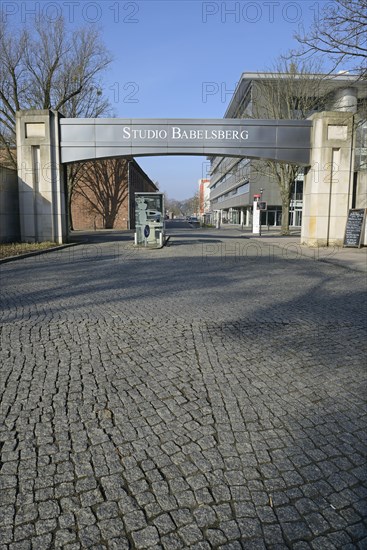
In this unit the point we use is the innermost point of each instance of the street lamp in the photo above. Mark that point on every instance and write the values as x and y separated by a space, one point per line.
261 197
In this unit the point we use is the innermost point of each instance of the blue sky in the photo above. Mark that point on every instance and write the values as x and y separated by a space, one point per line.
168 53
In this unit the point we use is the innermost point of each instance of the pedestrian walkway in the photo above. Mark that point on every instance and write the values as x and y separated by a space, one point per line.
349 258
207 395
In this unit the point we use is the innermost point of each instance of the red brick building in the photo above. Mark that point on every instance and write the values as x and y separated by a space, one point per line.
133 179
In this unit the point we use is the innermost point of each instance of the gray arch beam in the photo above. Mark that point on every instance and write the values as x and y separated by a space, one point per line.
41 156
279 140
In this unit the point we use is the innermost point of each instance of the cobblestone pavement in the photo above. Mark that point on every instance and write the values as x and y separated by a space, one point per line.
207 395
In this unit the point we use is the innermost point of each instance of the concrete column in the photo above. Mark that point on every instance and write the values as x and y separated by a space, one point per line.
242 218
248 217
361 197
328 182
42 206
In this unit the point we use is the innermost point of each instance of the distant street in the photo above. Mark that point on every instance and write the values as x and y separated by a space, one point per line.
207 395
181 223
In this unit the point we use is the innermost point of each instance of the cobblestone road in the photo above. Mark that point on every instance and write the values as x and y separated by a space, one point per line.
207 395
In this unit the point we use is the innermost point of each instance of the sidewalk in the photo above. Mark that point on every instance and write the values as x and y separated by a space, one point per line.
349 258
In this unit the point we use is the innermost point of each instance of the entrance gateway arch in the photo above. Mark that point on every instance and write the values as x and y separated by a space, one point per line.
46 142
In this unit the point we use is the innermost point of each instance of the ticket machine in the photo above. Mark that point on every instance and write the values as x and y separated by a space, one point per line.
149 220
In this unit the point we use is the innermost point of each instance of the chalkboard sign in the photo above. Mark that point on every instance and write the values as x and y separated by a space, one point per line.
354 227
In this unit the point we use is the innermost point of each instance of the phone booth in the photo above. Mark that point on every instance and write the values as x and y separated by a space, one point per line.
149 220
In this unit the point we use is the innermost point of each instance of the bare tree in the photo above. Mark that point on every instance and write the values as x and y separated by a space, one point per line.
104 186
292 90
339 30
172 206
49 68
191 206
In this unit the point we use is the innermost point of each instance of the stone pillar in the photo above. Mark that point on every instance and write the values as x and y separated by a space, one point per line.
328 182
42 206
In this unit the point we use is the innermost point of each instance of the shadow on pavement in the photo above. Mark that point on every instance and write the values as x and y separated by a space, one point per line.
101 236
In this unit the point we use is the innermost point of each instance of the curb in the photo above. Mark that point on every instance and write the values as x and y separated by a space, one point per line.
37 252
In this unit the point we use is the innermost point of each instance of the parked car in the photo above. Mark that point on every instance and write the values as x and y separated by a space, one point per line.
193 219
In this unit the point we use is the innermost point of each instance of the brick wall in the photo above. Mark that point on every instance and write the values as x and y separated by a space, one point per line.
139 183
84 217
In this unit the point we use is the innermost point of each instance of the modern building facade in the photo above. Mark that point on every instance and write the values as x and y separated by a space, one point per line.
234 181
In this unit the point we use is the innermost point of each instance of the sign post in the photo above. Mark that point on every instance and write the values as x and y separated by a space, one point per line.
256 229
354 228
